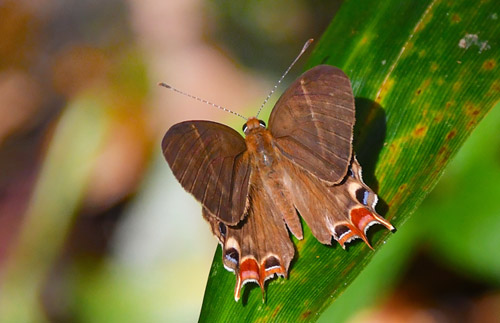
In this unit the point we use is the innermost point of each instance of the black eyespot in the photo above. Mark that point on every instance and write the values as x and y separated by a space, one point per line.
262 123
222 229
271 262
362 196
340 230
232 255
244 128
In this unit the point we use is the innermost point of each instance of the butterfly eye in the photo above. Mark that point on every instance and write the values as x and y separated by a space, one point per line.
245 128
262 123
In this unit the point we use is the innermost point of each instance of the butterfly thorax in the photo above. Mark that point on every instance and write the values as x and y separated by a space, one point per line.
260 147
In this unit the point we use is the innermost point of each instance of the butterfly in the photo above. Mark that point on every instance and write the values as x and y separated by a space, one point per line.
253 189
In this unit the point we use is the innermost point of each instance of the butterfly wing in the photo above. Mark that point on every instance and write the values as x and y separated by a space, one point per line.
210 161
259 247
312 122
344 211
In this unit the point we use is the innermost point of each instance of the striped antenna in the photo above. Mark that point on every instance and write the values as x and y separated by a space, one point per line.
201 100
306 45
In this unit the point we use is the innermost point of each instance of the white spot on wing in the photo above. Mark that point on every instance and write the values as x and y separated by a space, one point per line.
249 281
369 225
229 269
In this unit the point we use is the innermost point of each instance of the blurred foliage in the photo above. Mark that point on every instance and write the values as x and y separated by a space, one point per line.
261 35
414 113
65 174
71 99
463 218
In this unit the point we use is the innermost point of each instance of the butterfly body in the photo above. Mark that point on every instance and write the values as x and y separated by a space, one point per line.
259 143
269 173
253 189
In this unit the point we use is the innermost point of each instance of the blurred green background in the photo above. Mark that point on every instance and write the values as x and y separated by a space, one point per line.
93 226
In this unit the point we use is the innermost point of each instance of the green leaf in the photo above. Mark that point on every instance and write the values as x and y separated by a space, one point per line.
464 226
424 73
458 223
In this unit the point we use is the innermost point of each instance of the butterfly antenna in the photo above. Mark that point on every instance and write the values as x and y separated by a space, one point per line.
201 100
306 45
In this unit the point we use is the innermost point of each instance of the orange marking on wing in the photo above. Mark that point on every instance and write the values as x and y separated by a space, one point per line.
361 217
347 236
249 270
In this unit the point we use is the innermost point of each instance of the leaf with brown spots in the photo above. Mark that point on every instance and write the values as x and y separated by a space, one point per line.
419 95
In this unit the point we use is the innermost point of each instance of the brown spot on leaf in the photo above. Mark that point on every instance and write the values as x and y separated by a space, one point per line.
451 134
277 310
455 18
473 113
425 21
434 66
348 268
420 131
456 86
395 150
443 155
439 116
386 86
494 88
423 87
471 110
305 315
471 125
398 194
489 64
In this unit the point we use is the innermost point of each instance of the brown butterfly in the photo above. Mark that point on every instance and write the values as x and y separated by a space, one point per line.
252 188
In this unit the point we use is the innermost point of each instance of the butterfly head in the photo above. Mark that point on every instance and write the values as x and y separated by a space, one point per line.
253 123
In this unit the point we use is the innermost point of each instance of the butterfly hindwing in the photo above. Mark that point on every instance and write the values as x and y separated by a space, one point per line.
344 211
210 161
312 122
259 247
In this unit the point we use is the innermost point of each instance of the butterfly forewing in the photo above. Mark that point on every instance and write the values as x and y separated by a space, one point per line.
210 161
312 122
